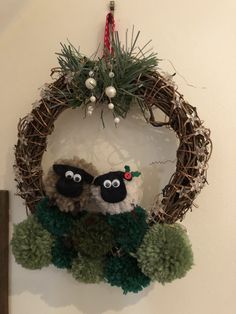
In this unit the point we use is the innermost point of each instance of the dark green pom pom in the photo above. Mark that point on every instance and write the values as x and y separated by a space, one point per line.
165 253
88 270
63 253
31 244
129 228
92 235
124 272
52 219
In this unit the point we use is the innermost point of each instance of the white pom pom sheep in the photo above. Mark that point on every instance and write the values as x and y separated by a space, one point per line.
117 192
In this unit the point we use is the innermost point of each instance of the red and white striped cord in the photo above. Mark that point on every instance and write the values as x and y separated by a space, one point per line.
109 29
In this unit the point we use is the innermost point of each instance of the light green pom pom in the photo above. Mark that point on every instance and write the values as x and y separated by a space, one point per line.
31 244
88 270
165 253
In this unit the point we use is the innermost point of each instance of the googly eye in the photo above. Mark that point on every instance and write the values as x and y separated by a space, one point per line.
69 174
116 183
107 184
77 177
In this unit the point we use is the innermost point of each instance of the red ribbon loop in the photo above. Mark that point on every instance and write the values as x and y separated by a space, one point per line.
109 29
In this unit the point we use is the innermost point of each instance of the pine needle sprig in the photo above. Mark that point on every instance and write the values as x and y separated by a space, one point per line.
129 63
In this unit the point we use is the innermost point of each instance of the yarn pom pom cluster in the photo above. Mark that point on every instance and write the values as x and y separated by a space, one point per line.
121 249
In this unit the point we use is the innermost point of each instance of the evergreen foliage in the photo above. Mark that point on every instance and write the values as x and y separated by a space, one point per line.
129 63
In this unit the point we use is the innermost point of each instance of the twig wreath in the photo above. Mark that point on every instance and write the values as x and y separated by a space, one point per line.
114 239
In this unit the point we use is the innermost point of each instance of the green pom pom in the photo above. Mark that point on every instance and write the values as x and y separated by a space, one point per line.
88 270
124 272
52 219
92 235
129 228
31 244
63 253
165 253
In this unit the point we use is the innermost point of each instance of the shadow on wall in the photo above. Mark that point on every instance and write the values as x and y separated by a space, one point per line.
133 143
59 289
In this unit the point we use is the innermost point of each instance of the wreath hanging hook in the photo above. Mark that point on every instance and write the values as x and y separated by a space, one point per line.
112 6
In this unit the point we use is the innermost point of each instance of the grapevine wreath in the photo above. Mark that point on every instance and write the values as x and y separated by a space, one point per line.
91 223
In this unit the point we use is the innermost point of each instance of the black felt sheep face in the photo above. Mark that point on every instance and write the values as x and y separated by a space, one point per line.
71 180
118 191
68 183
112 185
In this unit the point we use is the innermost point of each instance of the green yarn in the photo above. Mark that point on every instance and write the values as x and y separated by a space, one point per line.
88 270
124 272
31 244
129 228
52 219
165 253
92 235
63 253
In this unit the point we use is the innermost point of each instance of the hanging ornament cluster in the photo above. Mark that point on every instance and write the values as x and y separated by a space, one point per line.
90 223
90 83
110 92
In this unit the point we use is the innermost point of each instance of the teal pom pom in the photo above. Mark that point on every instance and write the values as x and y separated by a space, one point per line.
124 272
129 228
63 253
92 235
88 270
31 244
52 219
165 253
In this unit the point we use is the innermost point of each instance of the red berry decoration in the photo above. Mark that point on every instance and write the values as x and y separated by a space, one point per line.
128 176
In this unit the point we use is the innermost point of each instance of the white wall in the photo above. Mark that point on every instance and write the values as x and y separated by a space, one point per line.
199 37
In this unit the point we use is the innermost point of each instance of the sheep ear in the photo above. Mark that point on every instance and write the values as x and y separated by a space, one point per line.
98 180
87 177
60 169
120 174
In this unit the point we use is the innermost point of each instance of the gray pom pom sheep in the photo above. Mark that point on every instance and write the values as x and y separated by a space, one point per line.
68 183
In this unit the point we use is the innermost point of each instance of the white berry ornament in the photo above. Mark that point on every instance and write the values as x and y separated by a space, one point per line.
117 120
110 91
90 83
111 106
92 98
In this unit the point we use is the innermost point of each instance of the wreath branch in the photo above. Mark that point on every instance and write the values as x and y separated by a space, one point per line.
136 80
193 153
